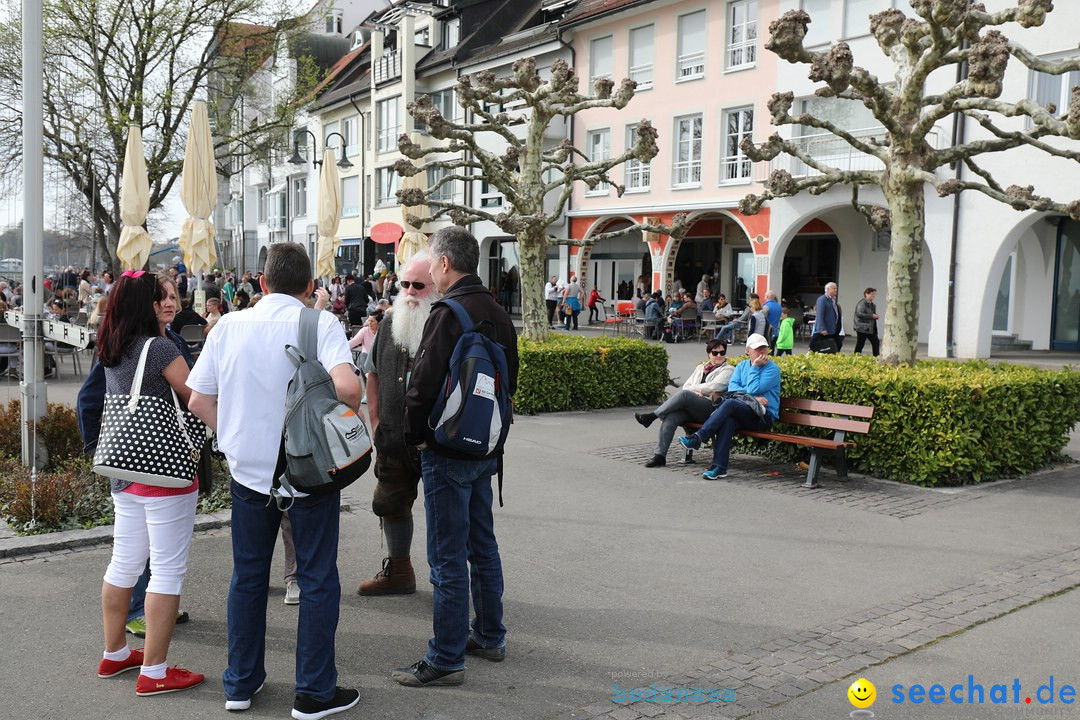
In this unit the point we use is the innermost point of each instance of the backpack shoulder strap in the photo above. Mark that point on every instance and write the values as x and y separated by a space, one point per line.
460 313
308 336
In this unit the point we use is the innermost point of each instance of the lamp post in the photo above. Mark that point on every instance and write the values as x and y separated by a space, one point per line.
298 159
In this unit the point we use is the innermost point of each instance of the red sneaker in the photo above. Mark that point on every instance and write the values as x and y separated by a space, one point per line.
175 680
112 668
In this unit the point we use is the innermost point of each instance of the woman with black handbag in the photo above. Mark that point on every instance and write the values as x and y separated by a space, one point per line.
152 520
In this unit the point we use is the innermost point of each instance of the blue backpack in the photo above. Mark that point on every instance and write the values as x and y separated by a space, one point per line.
472 414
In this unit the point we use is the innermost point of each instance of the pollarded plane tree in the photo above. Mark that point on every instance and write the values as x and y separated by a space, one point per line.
942 33
535 178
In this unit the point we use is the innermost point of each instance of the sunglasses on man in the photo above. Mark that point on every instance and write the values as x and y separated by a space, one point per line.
413 284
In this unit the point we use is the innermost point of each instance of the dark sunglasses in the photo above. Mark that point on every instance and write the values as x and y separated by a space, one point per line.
413 284
717 352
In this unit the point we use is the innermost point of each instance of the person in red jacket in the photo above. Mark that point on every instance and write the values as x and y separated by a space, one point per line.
594 297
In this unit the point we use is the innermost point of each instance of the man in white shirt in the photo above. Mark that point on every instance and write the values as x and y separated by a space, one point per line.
223 383
551 297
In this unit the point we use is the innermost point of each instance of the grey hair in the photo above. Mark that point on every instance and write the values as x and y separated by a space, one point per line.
830 285
457 245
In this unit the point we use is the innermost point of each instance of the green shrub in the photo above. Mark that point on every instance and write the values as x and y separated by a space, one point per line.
59 431
71 496
570 373
939 422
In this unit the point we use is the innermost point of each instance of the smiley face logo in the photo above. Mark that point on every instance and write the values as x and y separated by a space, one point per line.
862 693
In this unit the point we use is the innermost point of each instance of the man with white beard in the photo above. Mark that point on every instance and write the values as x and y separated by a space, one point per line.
397 465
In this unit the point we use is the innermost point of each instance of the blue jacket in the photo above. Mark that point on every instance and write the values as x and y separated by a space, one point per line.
653 309
763 381
90 402
772 311
827 320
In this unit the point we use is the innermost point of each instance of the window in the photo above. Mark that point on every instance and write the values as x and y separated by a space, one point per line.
350 196
262 205
447 193
299 196
333 22
1053 90
686 171
598 145
738 124
821 14
451 29
489 195
444 101
691 62
350 129
641 57
601 59
637 172
328 130
742 33
423 37
389 123
276 210
857 15
387 184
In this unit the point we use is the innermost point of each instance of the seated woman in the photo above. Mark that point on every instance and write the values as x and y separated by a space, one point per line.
753 309
757 381
693 403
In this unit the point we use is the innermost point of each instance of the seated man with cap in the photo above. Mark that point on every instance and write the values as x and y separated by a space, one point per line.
752 403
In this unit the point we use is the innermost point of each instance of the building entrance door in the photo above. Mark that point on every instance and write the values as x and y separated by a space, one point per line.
1065 328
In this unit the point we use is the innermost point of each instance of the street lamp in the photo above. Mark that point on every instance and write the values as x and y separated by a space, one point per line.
298 159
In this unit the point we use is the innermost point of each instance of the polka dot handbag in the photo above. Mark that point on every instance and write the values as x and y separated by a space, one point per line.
147 439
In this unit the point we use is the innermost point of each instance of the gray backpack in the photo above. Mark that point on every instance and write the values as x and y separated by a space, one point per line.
324 444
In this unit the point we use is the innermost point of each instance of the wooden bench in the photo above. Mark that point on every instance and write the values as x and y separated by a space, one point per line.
838 417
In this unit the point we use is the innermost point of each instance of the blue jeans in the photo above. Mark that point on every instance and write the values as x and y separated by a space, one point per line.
726 420
138 595
255 526
463 555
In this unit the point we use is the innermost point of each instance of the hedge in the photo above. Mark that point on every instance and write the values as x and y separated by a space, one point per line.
571 373
940 422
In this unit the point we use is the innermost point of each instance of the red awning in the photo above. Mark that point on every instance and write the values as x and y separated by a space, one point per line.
386 233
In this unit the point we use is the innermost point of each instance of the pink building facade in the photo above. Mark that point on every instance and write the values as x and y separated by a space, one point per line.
704 79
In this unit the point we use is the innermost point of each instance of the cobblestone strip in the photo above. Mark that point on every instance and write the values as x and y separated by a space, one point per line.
877 496
787 667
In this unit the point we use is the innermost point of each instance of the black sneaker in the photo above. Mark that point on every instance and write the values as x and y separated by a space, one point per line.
644 419
656 461
308 708
493 654
420 674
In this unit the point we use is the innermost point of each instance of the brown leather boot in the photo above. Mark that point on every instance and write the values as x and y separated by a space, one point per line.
395 578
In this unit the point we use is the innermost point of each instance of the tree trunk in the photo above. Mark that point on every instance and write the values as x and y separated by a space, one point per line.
907 205
532 244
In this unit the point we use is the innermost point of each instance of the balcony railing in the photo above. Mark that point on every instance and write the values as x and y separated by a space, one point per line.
833 151
642 75
691 66
388 67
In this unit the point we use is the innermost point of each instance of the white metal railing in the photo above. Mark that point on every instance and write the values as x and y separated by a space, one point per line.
388 137
834 152
638 175
642 75
691 66
686 173
736 168
388 67
740 54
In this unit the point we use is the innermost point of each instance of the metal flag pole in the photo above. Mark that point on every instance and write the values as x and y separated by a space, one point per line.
33 384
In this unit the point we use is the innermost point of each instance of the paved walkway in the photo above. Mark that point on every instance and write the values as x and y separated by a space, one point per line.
618 574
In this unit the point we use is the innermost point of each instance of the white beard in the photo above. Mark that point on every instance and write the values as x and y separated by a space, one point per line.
408 323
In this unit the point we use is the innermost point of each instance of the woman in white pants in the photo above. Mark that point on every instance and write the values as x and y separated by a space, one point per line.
151 522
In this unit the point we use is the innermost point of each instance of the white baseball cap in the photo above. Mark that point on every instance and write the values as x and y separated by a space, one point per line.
756 341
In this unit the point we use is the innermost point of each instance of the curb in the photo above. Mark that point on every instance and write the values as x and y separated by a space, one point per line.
20 545
101 535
